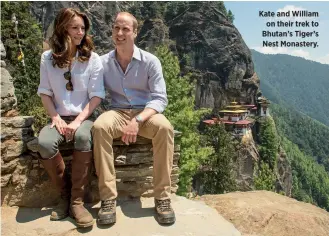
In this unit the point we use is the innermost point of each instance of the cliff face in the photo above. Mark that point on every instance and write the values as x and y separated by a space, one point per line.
217 50
199 30
100 13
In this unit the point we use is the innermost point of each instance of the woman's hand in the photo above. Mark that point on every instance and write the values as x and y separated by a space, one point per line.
59 124
70 130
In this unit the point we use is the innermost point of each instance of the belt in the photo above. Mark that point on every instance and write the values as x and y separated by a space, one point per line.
70 118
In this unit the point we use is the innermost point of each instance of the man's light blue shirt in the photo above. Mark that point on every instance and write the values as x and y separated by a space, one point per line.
142 85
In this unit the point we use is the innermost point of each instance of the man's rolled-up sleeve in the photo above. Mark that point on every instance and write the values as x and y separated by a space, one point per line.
44 86
157 87
96 81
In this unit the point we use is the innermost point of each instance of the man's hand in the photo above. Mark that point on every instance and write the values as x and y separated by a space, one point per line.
130 132
59 124
70 130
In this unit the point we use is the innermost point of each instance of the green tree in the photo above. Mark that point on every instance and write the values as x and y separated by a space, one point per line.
269 142
230 16
180 111
26 78
217 172
264 177
310 180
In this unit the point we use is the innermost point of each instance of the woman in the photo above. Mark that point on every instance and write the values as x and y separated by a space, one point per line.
71 87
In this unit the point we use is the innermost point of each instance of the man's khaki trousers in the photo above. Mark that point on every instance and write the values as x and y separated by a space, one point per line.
109 126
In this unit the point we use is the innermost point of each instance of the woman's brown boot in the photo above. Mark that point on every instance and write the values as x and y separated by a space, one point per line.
55 168
81 165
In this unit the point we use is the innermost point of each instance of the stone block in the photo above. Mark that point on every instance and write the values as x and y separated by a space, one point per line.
7 103
33 145
2 50
136 158
12 149
18 121
5 179
20 175
24 134
2 63
138 171
7 87
8 167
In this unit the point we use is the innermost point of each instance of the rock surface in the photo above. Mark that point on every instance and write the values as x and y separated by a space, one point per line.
262 213
216 49
2 54
200 31
134 217
247 158
8 98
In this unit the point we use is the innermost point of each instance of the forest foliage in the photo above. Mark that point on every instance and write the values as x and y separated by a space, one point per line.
264 173
310 179
308 134
26 78
296 82
182 115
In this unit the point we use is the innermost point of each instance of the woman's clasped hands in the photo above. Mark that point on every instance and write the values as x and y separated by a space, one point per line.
68 130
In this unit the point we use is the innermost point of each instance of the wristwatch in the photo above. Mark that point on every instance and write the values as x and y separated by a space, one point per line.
139 119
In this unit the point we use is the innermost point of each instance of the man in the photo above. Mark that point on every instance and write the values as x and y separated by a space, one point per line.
138 92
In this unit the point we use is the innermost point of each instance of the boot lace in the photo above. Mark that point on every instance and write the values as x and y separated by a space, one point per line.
164 205
108 205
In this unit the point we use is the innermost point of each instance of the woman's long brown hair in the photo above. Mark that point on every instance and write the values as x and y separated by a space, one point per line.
60 42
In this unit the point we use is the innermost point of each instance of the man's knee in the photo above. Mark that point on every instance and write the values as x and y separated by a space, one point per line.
103 122
164 125
98 125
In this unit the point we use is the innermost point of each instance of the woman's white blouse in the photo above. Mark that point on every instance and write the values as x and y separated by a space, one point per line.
87 80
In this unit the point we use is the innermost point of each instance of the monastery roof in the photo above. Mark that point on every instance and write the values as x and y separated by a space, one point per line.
233 106
234 111
228 122
248 105
210 122
243 122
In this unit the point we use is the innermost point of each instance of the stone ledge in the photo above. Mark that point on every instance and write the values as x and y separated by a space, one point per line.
26 182
18 121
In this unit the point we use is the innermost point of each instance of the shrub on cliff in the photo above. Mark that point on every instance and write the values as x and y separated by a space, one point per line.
264 174
217 172
269 142
180 111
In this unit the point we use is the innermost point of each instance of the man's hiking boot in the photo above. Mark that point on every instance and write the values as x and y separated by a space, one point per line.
107 213
165 213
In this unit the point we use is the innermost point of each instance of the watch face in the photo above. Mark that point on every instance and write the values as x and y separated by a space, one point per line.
138 119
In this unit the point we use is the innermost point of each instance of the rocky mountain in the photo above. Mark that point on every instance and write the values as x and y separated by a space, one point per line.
200 32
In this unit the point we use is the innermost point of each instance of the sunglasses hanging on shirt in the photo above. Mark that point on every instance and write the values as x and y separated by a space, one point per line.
67 76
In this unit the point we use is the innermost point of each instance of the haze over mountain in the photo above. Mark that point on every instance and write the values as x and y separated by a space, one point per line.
296 82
